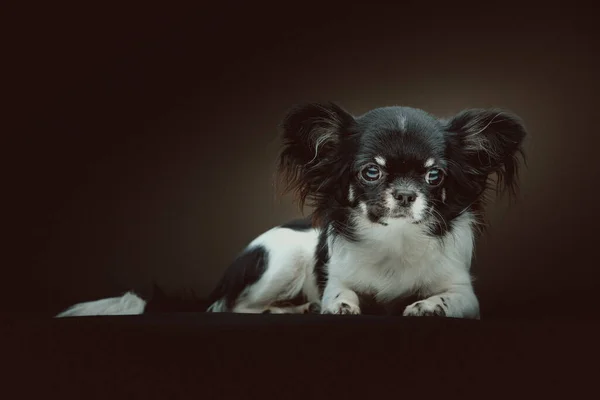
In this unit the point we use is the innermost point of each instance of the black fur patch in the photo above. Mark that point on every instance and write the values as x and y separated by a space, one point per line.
300 225
161 302
245 270
342 224
322 258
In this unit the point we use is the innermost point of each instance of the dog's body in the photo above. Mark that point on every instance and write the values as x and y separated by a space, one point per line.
398 196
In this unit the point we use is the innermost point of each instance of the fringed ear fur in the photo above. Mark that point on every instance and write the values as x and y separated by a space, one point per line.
311 163
490 142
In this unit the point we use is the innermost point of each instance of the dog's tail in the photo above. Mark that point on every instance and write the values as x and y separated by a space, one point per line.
131 303
127 304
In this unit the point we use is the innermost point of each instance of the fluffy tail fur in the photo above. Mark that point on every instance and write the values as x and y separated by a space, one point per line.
128 304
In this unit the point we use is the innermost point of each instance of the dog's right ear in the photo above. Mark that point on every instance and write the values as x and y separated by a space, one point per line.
311 162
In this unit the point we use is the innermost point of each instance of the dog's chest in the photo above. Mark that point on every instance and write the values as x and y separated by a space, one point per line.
387 267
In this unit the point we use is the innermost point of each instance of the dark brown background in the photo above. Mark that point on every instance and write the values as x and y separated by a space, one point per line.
146 138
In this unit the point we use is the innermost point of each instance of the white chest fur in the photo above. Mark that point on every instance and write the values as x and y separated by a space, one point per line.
399 259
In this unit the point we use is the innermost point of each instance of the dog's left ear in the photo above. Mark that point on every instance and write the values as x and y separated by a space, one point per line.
490 142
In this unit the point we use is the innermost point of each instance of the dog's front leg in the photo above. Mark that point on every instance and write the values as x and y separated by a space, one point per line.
339 299
458 301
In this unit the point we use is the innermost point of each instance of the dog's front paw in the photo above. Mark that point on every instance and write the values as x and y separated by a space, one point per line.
424 308
341 307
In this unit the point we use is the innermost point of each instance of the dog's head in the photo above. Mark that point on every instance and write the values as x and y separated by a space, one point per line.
397 163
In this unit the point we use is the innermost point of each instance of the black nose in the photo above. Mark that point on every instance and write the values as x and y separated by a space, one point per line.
405 197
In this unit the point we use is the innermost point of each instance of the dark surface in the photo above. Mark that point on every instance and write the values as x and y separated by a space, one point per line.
205 356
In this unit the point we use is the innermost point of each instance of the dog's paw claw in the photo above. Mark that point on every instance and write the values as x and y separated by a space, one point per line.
424 308
342 308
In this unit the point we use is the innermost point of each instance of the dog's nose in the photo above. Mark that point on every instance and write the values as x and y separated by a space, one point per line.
405 197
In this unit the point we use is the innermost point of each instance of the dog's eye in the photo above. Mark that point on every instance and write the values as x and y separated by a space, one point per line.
371 173
434 177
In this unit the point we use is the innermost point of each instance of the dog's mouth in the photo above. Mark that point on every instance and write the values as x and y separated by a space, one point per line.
400 213
403 214
381 215
397 215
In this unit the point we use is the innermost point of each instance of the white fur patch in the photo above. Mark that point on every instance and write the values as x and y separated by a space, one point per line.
394 260
380 160
429 162
363 207
390 201
322 139
443 194
402 121
351 194
418 207
128 304
289 271
344 302
217 306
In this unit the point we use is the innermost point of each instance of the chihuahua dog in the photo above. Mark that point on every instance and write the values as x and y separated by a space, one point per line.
397 198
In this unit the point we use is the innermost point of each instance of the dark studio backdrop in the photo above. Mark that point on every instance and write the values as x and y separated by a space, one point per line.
149 136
